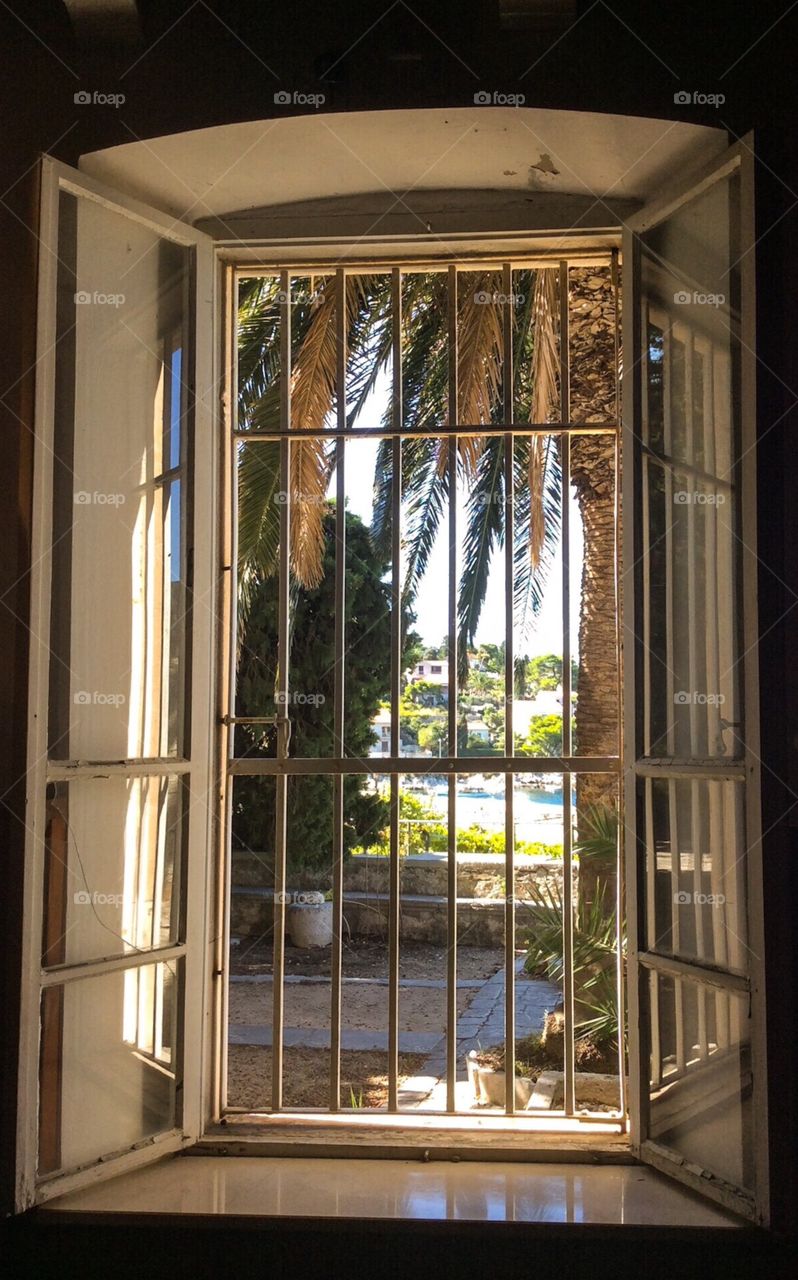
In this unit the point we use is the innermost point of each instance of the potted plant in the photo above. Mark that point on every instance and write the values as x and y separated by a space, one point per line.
309 919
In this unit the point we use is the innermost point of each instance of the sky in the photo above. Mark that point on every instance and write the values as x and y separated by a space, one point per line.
432 600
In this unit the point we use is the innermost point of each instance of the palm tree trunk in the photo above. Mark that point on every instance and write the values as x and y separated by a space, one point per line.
593 392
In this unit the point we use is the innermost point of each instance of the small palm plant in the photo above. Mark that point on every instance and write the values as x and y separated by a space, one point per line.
595 942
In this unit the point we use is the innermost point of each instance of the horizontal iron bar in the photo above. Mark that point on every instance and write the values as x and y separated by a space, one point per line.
466 429
694 971
248 720
680 767
55 977
243 766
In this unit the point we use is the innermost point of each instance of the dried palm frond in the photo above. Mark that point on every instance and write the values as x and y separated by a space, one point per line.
479 366
313 378
545 370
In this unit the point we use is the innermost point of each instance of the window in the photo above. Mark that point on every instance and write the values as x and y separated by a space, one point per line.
423 387
127 903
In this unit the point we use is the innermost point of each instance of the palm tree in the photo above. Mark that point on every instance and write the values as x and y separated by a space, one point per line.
425 458
425 470
594 362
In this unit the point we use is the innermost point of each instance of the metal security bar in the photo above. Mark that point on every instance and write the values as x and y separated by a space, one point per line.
282 766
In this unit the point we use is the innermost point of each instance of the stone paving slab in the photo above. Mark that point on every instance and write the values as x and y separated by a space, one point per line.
482 1023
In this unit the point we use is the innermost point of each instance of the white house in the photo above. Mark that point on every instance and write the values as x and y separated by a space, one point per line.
381 729
478 729
433 670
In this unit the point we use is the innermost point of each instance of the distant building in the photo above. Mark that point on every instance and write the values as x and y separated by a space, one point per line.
381 729
478 729
433 670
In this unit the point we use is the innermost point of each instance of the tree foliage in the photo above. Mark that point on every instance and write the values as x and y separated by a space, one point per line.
311 682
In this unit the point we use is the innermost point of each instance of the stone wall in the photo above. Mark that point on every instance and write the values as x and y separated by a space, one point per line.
423 903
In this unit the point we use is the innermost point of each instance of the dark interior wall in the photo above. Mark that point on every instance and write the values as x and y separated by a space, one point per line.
200 64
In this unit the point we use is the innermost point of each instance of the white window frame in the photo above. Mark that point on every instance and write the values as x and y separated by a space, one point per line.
55 179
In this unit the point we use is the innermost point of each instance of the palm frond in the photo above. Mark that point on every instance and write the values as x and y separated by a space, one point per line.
530 577
484 533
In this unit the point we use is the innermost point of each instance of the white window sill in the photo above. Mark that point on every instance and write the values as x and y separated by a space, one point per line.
440 1191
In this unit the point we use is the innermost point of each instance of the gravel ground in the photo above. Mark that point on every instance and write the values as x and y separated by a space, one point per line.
363 1008
364 959
306 1077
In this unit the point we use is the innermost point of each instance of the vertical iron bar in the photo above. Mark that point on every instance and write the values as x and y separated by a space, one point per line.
396 679
451 883
568 906
620 896
509 677
283 721
338 696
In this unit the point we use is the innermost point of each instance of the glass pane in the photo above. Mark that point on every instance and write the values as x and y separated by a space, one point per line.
108 1069
690 280
118 660
700 1093
691 622
112 869
696 852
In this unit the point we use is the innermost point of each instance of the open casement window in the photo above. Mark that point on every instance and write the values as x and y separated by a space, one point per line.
696 997
120 706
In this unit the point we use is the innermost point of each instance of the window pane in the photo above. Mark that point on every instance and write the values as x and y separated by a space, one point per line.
107 1075
700 1100
696 848
691 321
112 867
691 623
118 661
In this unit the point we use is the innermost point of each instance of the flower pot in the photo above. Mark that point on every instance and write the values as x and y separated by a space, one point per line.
309 920
490 1085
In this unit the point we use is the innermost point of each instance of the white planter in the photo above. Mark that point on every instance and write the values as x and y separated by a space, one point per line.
592 1088
490 1086
310 921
